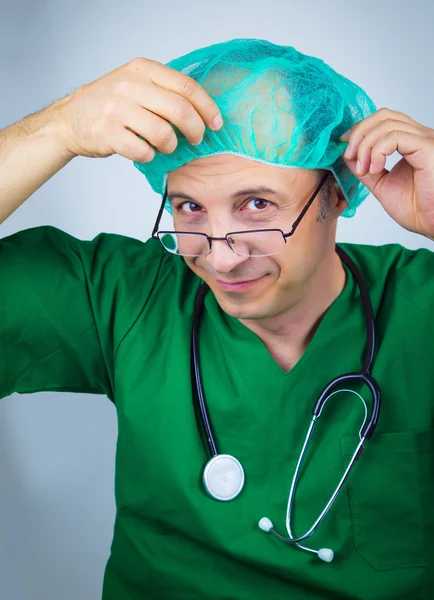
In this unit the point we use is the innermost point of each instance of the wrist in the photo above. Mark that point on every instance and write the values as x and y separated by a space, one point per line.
55 124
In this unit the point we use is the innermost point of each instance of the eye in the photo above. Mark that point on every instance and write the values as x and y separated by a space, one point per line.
188 207
258 204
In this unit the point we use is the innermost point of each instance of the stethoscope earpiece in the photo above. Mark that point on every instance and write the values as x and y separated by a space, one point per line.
325 554
265 524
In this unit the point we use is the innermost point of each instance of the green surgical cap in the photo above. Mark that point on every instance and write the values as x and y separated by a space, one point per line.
280 107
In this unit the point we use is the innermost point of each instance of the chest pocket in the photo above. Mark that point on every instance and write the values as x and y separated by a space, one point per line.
391 499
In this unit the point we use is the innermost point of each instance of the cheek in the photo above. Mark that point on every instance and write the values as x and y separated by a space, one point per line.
191 263
198 266
295 265
289 261
306 249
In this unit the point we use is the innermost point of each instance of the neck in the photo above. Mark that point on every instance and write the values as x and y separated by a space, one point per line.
288 334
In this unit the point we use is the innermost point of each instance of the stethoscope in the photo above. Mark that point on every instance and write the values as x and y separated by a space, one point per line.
223 476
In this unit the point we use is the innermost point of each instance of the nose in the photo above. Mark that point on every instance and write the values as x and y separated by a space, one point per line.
222 258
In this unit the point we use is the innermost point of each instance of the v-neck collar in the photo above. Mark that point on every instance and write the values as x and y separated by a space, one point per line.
249 346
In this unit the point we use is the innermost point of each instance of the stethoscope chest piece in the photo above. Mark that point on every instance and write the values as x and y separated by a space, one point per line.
223 477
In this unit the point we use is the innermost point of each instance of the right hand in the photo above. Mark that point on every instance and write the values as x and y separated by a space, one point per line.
142 97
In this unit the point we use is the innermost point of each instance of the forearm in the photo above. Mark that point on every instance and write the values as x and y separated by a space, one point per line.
31 152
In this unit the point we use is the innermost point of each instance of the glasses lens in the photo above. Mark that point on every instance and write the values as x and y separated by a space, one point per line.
184 244
257 243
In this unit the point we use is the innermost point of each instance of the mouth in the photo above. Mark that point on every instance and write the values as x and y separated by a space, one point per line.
239 285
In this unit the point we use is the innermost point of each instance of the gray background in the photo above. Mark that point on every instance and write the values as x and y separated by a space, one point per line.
57 450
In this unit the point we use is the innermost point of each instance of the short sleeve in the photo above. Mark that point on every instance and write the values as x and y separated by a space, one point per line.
65 306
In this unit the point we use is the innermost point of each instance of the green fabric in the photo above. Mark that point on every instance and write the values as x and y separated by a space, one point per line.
113 316
279 106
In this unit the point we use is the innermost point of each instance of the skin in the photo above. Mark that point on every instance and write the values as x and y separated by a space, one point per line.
293 288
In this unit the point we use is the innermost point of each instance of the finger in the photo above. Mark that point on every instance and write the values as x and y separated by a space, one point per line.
371 180
127 144
379 115
372 138
174 109
154 129
362 127
378 163
191 90
418 151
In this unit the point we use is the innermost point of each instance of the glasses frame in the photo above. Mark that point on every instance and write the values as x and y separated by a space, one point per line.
210 239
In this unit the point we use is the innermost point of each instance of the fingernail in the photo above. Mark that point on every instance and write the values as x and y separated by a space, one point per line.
199 142
217 123
359 166
346 134
348 151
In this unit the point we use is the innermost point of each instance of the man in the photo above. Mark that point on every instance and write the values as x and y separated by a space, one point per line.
284 316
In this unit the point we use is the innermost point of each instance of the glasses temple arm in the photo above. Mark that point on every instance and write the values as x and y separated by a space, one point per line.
303 212
160 212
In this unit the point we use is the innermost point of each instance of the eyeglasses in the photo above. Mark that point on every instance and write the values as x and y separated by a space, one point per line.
252 243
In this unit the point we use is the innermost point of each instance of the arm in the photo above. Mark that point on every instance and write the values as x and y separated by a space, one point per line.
101 118
66 305
31 152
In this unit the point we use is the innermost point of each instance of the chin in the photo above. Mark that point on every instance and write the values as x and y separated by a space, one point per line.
241 307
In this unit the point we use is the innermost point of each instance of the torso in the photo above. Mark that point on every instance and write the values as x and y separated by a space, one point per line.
173 541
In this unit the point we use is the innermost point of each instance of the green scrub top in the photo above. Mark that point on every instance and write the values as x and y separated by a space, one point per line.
113 316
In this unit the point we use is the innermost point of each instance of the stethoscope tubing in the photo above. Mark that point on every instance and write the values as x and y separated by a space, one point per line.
198 394
364 376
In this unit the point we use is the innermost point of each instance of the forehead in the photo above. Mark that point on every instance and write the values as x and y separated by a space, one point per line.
227 172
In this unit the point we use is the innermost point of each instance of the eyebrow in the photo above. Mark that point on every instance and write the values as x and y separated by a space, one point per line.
245 192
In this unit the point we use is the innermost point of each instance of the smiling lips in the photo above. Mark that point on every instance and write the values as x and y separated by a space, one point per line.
238 286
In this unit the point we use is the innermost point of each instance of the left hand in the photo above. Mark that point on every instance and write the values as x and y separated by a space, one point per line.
407 191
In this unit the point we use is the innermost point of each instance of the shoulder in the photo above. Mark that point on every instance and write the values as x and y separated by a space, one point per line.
48 247
126 270
142 272
139 265
398 270
392 256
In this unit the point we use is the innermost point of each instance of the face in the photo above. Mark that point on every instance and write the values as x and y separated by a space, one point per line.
220 194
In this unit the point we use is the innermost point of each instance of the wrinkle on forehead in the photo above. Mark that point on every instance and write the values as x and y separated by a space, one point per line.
212 173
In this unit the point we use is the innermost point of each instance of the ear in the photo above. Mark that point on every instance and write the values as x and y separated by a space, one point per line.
338 202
